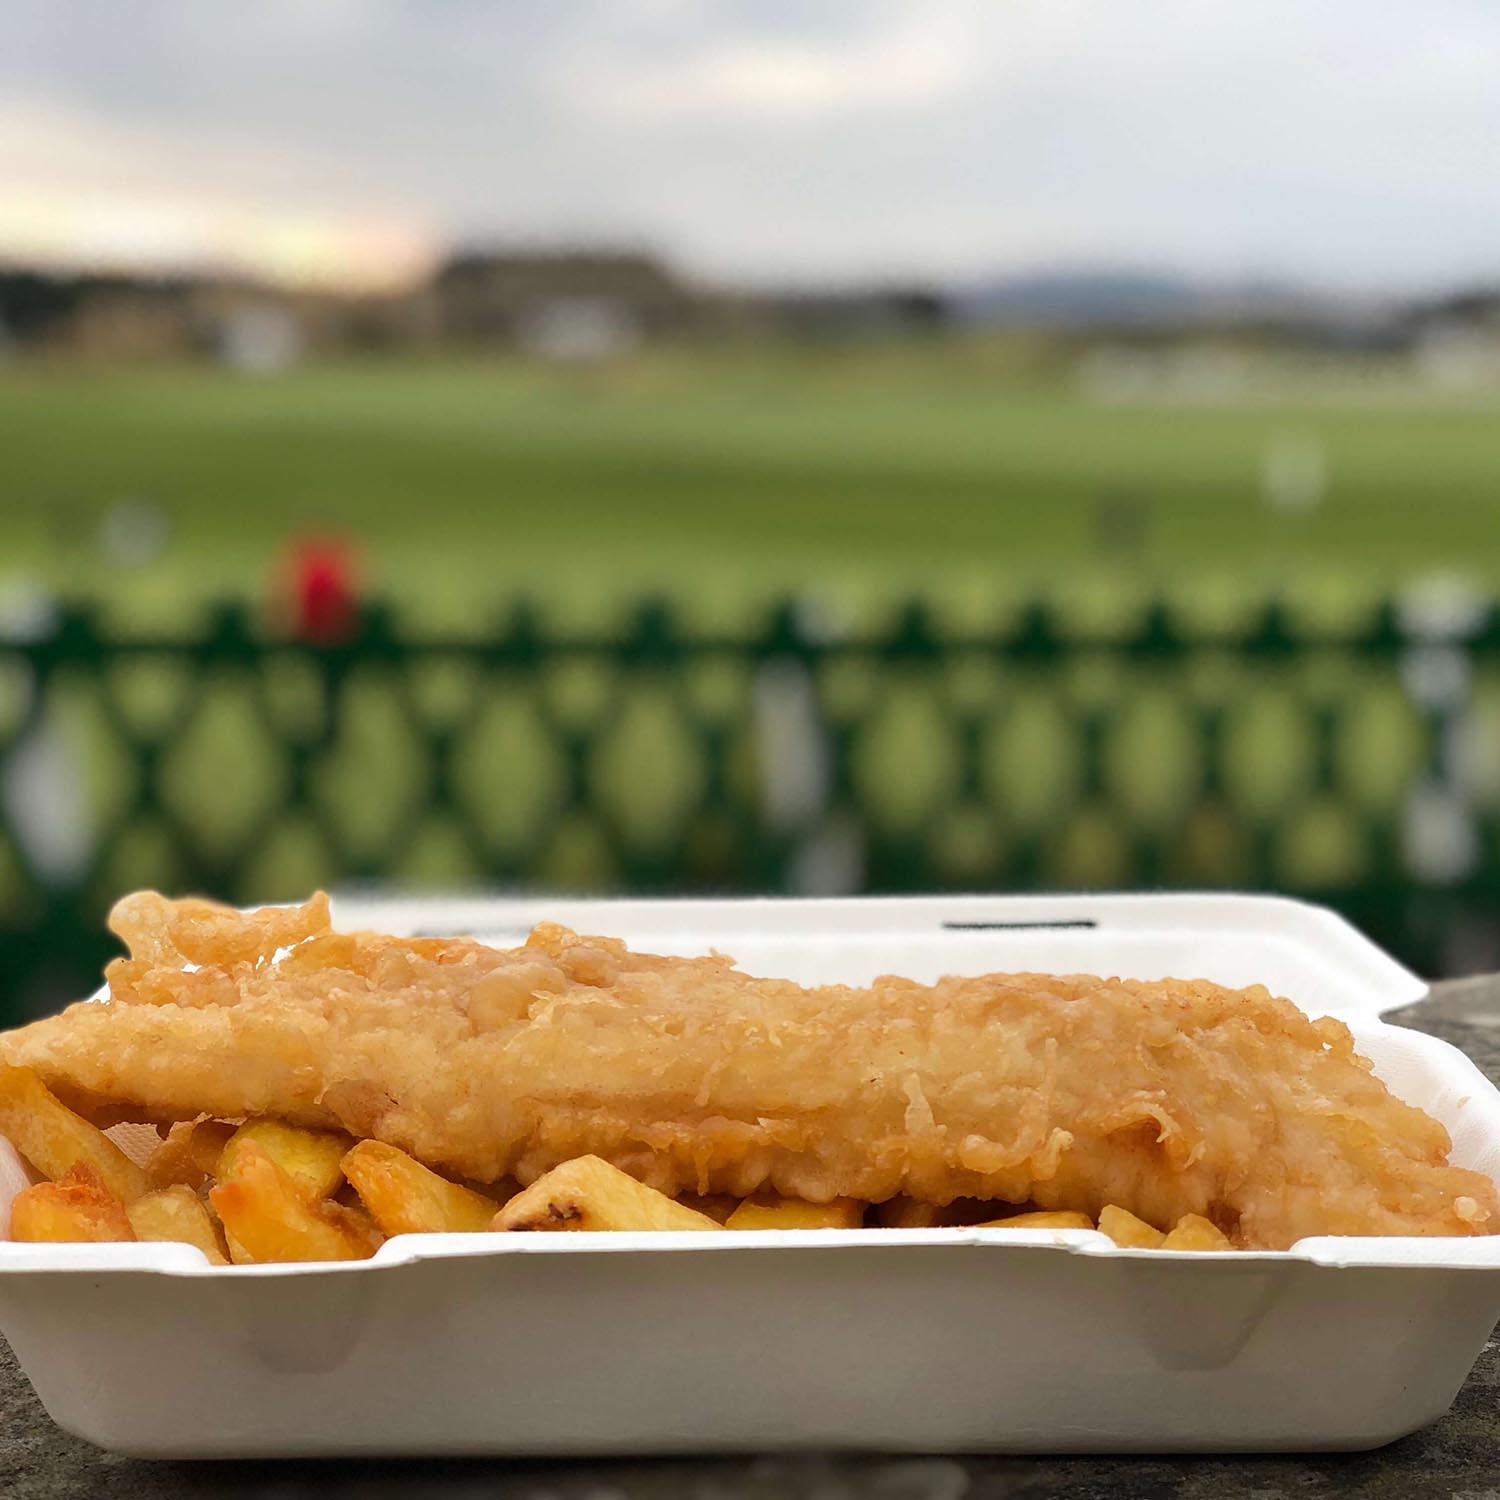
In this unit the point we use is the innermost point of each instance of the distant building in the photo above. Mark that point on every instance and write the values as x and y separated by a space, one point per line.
125 321
247 326
1456 341
562 305
91 313
565 306
838 315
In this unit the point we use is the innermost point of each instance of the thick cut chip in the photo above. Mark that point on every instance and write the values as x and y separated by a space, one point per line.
78 1207
1047 1219
189 1156
177 1214
793 1213
1127 1231
1194 1232
312 1159
587 1193
406 1198
54 1139
267 1218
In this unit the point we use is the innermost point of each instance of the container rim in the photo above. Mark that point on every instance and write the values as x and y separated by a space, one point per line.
1480 1253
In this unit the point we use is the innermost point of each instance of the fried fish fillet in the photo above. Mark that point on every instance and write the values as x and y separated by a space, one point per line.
1165 1098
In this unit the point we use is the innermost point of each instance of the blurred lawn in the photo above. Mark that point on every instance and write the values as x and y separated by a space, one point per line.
725 477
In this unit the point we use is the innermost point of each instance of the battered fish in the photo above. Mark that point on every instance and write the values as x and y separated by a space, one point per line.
1165 1098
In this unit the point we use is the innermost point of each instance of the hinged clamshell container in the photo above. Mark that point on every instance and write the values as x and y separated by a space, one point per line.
946 1340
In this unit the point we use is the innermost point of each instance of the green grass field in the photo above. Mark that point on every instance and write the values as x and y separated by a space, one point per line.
722 478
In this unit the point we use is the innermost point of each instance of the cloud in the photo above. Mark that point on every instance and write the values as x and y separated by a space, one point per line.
799 138
780 81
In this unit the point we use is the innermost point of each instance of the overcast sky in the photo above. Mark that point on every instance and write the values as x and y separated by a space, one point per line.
1354 142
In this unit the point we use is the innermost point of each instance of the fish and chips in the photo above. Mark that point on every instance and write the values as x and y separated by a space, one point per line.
322 1091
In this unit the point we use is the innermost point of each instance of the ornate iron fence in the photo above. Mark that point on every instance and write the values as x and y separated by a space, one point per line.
1361 768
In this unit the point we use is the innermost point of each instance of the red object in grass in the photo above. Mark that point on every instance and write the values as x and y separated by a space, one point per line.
324 589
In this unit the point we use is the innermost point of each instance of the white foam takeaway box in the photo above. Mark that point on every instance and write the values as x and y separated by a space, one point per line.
931 1341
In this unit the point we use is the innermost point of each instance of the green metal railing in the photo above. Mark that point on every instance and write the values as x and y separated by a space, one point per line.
1358 767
